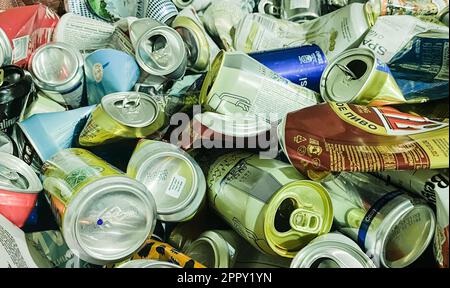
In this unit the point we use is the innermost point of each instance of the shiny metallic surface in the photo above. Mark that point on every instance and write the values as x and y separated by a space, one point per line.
6 144
143 263
17 176
6 51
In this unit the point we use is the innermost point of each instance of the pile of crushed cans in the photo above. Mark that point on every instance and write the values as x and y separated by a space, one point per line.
224 134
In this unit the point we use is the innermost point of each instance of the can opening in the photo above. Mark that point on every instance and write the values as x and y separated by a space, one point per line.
358 68
325 263
158 50
283 215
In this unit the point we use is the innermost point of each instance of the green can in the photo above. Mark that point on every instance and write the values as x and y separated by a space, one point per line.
268 202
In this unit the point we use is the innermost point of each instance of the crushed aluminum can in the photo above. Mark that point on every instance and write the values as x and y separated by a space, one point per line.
6 144
300 10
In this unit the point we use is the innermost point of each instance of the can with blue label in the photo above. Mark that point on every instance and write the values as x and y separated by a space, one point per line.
302 65
109 71
357 76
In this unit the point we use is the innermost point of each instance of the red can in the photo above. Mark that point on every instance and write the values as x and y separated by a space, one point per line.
19 189
23 30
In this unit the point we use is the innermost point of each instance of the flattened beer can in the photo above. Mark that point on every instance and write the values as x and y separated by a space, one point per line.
19 189
302 65
172 176
332 250
392 227
104 215
109 71
122 115
357 76
57 68
268 202
16 86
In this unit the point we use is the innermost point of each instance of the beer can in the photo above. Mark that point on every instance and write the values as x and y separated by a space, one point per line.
104 215
43 135
23 30
19 188
16 86
163 11
441 237
6 144
172 176
357 76
108 71
302 65
144 263
268 202
201 48
160 50
122 115
57 68
392 227
159 251
237 83
421 182
215 248
40 104
300 10
79 7
332 250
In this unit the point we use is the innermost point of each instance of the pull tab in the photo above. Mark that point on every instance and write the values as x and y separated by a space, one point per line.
306 221
158 50
349 73
131 104
2 73
8 174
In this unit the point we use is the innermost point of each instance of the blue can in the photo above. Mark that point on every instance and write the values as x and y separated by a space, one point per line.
108 71
301 65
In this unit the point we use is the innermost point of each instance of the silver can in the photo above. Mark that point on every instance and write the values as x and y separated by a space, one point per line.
162 10
421 182
6 144
300 10
172 176
269 7
393 228
332 250
104 215
57 69
160 50
144 263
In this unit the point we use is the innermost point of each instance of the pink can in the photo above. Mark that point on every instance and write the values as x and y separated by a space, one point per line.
19 189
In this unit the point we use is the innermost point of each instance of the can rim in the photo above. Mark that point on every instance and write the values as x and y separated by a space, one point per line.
394 217
327 94
148 153
73 78
102 186
115 96
162 31
147 263
323 248
215 241
35 185
202 61
211 76
6 51
276 200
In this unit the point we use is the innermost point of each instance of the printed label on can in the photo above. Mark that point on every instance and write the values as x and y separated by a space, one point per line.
97 72
20 51
176 186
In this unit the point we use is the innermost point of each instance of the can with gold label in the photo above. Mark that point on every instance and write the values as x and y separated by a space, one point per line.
104 215
123 115
268 202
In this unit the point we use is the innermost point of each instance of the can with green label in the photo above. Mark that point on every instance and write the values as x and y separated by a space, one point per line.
104 215
268 202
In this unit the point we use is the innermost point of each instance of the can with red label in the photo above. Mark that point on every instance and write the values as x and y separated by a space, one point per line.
23 30
19 188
